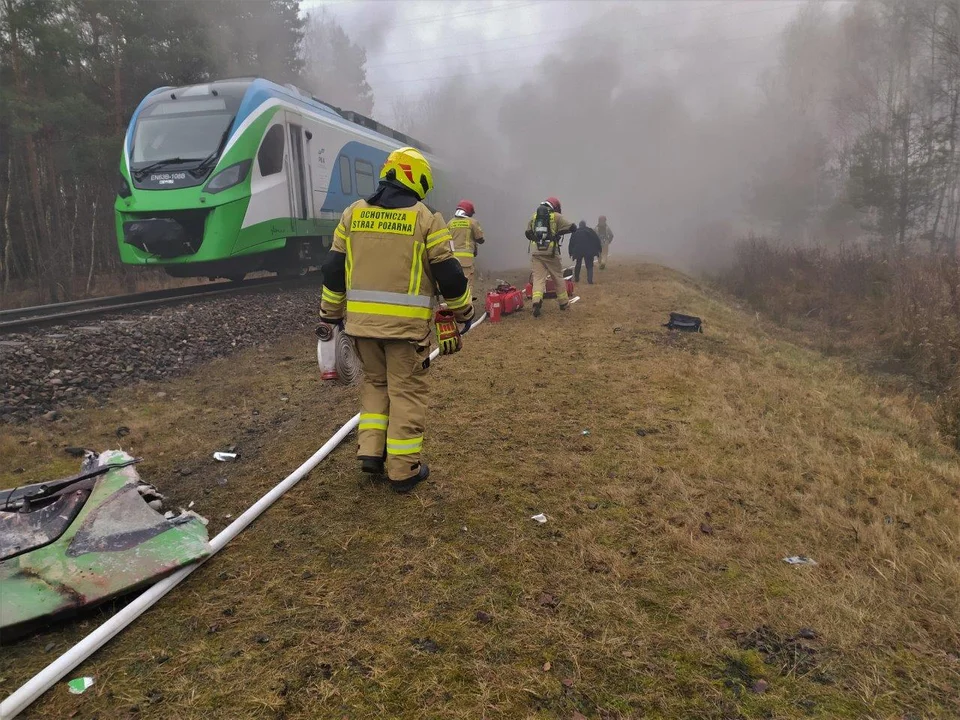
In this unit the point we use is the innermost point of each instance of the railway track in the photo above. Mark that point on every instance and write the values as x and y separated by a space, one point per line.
21 319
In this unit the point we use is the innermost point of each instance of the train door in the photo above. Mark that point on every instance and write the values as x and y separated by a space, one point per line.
298 178
270 181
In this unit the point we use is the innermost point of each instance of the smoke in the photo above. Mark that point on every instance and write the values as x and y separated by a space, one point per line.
377 18
645 117
687 124
333 64
248 37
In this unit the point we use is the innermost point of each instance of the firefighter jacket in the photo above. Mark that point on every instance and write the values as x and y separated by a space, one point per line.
605 233
558 226
383 269
467 234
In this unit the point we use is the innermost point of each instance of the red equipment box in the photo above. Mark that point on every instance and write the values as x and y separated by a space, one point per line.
505 300
551 289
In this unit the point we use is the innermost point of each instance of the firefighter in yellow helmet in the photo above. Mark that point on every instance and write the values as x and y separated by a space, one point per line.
389 254
467 235
545 231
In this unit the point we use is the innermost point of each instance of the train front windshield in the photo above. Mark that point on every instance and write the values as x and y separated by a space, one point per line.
188 129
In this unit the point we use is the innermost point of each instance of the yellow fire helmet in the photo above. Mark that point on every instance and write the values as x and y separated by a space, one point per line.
411 169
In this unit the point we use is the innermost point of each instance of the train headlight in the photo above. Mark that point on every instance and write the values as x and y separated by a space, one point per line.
123 187
228 177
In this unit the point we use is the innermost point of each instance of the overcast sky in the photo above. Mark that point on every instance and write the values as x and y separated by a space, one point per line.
415 44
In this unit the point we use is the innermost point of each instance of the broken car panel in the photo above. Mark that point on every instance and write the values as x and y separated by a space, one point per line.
75 543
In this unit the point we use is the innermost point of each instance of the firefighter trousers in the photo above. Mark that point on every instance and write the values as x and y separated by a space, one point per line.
468 273
605 249
393 403
544 265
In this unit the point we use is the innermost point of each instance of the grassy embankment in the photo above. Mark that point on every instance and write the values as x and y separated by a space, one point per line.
895 314
655 590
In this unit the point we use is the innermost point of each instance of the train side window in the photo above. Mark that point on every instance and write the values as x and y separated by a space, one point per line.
346 179
270 155
365 184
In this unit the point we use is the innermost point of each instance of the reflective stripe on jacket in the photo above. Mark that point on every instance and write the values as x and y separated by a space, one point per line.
389 284
466 233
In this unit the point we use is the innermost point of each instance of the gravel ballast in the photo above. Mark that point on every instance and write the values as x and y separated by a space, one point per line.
46 370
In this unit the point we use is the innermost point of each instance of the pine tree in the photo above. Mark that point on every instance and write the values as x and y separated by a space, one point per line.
334 65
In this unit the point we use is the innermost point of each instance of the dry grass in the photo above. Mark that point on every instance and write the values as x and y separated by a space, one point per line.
898 314
655 590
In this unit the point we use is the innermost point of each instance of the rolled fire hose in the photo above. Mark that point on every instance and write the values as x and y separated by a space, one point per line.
24 696
345 365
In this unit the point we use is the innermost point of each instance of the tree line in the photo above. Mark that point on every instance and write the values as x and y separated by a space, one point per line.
73 71
860 191
862 120
855 136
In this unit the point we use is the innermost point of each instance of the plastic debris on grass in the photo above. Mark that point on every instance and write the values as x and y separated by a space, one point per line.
799 560
225 456
541 518
80 685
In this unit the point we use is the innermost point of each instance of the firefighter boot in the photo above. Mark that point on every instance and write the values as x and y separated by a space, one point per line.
405 486
373 465
537 306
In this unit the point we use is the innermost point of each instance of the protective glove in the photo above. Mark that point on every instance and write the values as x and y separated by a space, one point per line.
448 336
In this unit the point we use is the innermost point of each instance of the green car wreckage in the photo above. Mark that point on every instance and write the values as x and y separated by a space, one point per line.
80 541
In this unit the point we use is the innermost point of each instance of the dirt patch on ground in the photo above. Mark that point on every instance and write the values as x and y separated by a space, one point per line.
675 476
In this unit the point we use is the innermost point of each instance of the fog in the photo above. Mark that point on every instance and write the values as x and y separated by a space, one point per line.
643 113
688 124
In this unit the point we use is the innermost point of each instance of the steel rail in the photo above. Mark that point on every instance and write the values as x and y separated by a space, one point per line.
20 319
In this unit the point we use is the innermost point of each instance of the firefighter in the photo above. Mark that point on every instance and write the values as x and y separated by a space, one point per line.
545 231
467 235
606 237
389 253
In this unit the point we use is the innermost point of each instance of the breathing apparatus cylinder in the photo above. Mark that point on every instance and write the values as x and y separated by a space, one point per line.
541 228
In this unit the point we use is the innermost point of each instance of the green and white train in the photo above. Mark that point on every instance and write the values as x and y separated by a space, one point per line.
235 176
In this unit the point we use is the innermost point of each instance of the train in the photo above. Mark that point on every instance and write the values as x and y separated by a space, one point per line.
229 177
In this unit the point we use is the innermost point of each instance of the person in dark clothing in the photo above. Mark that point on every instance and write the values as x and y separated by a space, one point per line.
584 247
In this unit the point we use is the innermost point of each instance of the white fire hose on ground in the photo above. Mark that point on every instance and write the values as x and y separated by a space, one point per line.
26 694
